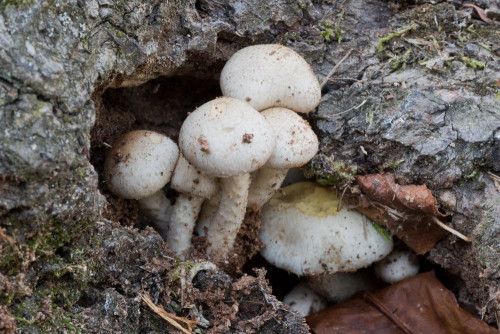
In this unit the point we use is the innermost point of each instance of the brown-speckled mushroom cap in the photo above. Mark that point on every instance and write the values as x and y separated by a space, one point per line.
226 137
271 75
140 163
296 142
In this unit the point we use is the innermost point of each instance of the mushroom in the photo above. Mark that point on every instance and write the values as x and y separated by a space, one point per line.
296 144
227 138
271 75
207 212
397 266
305 234
193 187
339 286
304 300
138 166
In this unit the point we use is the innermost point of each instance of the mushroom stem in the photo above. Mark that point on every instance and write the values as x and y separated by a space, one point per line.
207 213
182 221
265 183
225 225
157 208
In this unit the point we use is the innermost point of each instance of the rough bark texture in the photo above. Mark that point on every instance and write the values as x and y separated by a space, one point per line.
76 74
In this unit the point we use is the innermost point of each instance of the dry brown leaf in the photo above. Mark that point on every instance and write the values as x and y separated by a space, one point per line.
382 188
407 211
479 11
420 304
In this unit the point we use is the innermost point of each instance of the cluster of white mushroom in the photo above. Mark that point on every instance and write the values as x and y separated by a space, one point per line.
253 128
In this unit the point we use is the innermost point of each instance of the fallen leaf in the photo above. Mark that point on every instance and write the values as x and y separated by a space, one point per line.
479 11
407 211
420 304
382 188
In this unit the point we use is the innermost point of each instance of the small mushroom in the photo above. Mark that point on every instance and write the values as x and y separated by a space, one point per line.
339 286
304 300
397 266
138 166
296 144
305 234
193 186
271 75
227 138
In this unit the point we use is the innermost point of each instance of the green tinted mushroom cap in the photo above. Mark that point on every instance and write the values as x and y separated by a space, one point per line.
305 234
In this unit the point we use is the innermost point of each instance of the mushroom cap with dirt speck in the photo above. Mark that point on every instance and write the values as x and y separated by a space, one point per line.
271 75
305 234
296 142
140 163
226 137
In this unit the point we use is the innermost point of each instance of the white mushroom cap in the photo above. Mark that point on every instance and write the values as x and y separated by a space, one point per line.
226 137
140 163
304 300
304 234
397 266
187 179
271 75
296 142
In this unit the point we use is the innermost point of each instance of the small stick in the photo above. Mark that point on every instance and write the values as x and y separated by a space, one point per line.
346 79
6 237
452 231
343 112
335 69
169 317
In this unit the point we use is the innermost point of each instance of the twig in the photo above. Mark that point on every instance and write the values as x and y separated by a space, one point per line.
169 317
335 69
339 206
345 79
183 285
496 180
452 231
6 237
343 112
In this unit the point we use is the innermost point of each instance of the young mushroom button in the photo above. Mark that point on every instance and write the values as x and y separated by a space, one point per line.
296 144
271 75
227 138
138 166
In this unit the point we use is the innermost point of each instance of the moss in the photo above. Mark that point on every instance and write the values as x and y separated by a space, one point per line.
332 32
5 4
380 230
475 64
291 36
400 62
395 34
327 34
392 165
330 173
10 263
